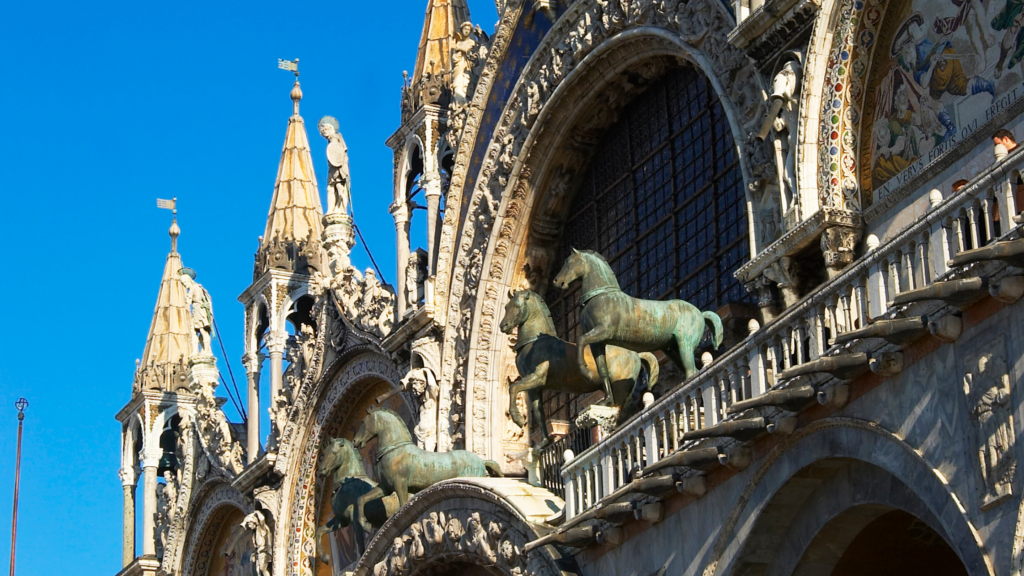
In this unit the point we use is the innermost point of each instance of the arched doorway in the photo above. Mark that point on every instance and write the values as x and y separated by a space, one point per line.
894 543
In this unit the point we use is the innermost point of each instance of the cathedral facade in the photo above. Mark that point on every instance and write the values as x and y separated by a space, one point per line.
833 190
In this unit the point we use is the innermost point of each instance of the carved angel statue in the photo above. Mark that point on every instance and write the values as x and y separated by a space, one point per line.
201 307
338 184
257 525
421 382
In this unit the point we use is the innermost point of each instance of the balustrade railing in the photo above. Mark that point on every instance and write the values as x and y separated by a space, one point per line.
971 217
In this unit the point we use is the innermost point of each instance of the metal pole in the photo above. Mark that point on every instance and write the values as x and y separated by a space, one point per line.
21 404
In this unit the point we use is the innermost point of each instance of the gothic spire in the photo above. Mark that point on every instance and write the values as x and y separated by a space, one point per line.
295 212
440 27
169 342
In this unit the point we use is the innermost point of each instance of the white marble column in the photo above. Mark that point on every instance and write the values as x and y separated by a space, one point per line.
149 506
275 346
128 522
431 183
252 370
400 211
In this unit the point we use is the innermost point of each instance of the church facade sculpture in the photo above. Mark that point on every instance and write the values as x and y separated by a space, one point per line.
789 170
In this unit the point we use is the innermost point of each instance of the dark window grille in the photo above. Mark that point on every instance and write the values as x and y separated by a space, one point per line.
663 201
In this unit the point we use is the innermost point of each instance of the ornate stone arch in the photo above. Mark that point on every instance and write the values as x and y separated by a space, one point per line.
482 522
884 454
523 189
209 513
335 398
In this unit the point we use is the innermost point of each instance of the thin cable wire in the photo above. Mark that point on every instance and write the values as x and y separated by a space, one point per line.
231 373
365 245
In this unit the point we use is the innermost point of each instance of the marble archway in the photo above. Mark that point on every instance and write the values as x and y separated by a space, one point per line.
467 526
213 542
852 465
347 392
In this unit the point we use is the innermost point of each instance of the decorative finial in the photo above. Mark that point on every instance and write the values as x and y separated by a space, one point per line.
174 231
21 404
292 66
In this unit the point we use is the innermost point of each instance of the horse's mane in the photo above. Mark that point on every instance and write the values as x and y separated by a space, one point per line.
387 410
596 254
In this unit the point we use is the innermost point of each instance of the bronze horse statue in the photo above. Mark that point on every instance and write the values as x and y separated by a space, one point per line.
610 317
546 362
350 482
403 469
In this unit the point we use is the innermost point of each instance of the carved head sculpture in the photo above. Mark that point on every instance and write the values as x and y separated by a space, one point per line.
328 126
466 28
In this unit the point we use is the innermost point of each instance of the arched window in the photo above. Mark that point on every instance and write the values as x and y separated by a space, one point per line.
663 201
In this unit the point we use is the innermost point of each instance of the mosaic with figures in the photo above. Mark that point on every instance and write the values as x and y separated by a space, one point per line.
940 70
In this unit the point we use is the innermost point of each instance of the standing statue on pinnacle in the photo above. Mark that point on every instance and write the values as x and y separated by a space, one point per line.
338 184
198 301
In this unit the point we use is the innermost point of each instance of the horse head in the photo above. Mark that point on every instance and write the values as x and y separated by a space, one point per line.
367 430
573 269
517 311
336 454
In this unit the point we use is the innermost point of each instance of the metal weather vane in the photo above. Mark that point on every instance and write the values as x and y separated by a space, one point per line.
289 65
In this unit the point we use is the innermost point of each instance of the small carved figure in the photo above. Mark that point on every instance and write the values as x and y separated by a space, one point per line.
161 520
171 491
338 183
257 525
462 62
415 276
611 317
988 392
201 307
421 382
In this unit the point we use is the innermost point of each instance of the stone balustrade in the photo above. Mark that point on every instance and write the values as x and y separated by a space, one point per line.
977 214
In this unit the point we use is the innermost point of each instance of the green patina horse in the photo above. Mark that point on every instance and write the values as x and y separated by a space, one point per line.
403 469
546 362
350 482
611 317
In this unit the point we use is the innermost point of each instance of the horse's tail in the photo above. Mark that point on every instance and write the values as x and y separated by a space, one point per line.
650 362
716 322
493 469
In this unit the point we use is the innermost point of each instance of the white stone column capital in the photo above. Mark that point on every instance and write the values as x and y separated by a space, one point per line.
276 341
251 361
400 211
127 476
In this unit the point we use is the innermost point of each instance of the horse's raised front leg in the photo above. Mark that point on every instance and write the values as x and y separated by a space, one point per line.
332 525
531 381
360 511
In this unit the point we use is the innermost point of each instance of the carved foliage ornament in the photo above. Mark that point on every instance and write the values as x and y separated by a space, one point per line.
474 537
700 23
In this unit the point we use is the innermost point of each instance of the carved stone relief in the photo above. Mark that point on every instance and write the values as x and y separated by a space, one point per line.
990 406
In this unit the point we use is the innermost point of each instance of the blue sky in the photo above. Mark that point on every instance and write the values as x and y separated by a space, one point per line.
106 107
